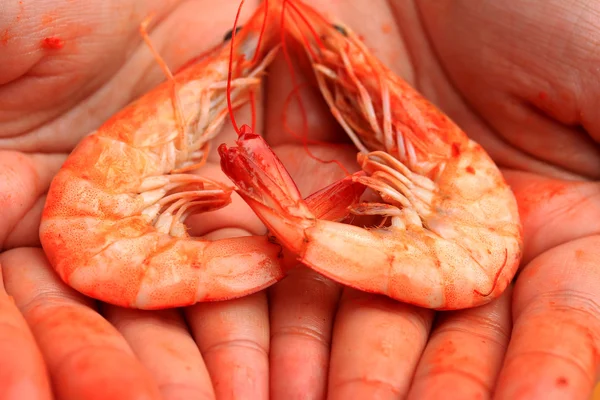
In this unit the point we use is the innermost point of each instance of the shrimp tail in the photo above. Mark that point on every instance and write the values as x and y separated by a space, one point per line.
266 186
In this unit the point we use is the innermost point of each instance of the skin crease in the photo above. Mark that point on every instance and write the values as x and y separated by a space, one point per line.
519 78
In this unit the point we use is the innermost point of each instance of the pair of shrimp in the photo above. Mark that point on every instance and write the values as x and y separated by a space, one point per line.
112 226
450 236
113 223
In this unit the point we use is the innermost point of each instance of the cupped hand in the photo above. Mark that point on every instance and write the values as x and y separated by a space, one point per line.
66 68
521 78
518 78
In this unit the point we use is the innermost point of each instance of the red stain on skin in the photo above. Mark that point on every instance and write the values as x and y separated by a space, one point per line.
386 28
532 196
21 9
446 350
562 381
470 170
5 37
553 104
53 43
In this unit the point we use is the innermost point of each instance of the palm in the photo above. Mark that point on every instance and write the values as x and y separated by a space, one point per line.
532 115
540 125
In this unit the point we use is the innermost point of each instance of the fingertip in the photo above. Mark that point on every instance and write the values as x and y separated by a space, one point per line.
464 353
233 338
544 377
23 374
388 352
555 342
552 355
302 309
104 373
86 357
162 342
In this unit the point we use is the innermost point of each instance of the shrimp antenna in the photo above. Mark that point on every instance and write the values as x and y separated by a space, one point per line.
310 28
262 32
295 91
254 59
229 72
286 104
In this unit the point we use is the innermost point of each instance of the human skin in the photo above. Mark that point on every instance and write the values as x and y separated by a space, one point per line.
519 78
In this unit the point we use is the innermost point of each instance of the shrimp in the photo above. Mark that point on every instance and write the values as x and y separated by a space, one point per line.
450 235
113 222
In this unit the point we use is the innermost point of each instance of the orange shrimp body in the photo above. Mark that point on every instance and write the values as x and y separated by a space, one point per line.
451 234
112 225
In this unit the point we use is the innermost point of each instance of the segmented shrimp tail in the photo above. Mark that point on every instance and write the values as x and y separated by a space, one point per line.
264 183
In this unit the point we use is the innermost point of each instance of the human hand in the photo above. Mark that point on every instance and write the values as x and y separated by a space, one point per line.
67 67
520 79
293 314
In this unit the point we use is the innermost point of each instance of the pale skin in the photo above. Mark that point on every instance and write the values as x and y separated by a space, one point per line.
519 78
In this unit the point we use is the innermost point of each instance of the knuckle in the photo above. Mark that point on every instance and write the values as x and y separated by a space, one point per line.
305 332
235 344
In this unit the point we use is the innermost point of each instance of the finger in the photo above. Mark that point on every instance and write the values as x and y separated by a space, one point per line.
303 306
86 357
163 344
376 345
571 204
23 374
464 353
553 352
26 231
233 338
23 180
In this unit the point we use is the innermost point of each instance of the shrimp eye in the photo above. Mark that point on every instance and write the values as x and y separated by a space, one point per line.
340 29
229 33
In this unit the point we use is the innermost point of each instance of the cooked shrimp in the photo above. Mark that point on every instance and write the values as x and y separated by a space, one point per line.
450 235
113 222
